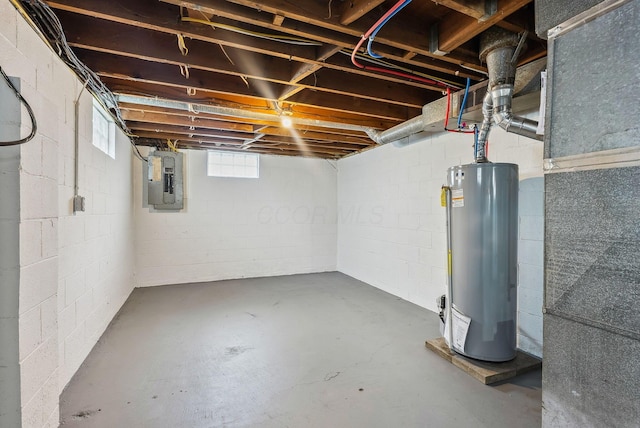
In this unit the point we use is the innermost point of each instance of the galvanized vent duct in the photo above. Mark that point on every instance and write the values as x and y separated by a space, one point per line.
500 49
403 130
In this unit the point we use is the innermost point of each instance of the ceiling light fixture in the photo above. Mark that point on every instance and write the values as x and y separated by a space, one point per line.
286 121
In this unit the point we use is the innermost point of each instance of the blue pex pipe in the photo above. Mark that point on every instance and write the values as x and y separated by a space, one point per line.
464 102
382 24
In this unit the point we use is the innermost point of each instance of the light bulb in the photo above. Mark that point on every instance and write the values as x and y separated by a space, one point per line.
286 121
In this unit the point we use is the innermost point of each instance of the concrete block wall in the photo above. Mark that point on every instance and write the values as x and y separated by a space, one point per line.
9 260
96 247
281 223
531 264
32 62
377 219
392 230
75 271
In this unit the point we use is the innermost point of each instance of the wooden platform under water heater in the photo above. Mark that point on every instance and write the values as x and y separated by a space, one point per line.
483 371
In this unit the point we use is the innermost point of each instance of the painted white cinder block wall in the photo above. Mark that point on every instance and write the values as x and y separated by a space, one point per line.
378 220
392 230
279 224
96 247
75 270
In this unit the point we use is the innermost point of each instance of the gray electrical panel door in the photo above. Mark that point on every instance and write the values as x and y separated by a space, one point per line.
165 182
484 255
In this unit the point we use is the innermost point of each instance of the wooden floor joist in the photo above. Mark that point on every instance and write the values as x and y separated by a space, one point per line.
285 58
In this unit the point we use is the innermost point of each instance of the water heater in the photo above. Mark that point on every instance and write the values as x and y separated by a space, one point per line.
482 209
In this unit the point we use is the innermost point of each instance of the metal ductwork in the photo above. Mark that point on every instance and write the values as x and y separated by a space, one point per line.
403 130
500 49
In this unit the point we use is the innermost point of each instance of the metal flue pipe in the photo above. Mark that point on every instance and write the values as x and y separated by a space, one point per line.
500 49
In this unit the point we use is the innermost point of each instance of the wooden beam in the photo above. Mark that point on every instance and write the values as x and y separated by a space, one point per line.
344 61
326 51
112 37
290 91
532 54
351 104
459 29
522 19
183 130
239 137
164 17
166 128
276 146
195 121
369 88
409 55
119 85
189 145
330 106
160 19
105 37
276 150
303 71
308 19
302 146
143 71
128 87
352 10
149 42
278 20
163 130
472 8
320 136
216 121
258 126
163 135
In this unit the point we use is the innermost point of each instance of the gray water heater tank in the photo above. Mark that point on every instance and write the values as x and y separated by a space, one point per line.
484 255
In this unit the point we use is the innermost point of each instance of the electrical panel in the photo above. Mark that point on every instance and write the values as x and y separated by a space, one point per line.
165 181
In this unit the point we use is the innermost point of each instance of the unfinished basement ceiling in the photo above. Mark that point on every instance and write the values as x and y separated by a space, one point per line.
253 62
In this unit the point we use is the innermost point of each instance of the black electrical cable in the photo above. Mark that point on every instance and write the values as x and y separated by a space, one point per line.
137 152
34 123
50 27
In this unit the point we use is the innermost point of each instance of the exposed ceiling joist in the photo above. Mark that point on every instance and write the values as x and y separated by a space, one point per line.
412 37
455 32
148 113
250 62
478 9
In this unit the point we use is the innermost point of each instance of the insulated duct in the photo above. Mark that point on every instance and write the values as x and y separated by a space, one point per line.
403 130
500 49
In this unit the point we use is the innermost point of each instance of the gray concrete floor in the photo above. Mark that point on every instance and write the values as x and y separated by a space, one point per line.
318 350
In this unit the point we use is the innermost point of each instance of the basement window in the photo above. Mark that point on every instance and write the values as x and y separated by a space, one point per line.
104 130
230 164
